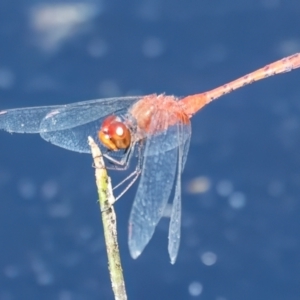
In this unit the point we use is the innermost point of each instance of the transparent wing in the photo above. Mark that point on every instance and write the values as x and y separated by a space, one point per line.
157 179
184 134
60 117
75 138
67 126
187 133
24 120
174 140
86 112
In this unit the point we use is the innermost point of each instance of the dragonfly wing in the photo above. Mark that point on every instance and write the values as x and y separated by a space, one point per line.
184 134
67 126
187 133
60 117
75 138
175 221
74 115
156 182
70 127
24 120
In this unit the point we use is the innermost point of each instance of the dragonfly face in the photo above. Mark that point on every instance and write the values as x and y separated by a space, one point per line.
114 134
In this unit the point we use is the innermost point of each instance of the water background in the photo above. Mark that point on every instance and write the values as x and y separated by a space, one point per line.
241 184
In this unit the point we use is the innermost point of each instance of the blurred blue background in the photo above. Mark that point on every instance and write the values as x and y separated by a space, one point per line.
241 184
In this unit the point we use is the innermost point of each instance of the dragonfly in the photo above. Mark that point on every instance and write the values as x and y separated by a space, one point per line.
154 128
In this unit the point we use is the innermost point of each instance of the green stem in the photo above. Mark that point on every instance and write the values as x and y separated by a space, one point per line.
106 200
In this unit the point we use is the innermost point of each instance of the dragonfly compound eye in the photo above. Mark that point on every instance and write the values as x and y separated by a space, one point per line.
114 134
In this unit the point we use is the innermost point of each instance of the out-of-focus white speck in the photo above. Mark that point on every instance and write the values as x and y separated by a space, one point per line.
65 295
153 47
195 288
199 185
11 271
288 46
209 258
214 54
237 200
109 88
27 188
7 78
44 278
149 10
270 4
54 23
85 233
97 48
276 188
49 189
43 275
224 188
60 210
134 92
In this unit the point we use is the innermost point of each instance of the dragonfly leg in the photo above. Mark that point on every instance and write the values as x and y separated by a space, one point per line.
126 179
123 163
134 174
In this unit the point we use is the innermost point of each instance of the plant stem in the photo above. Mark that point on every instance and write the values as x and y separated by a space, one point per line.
106 200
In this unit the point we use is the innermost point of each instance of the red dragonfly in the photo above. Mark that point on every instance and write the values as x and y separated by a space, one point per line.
155 127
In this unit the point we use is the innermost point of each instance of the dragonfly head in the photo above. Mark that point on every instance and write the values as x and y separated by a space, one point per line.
114 134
